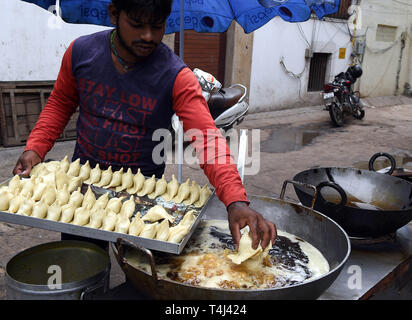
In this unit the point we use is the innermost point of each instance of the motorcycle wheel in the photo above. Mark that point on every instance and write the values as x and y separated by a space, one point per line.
359 114
336 115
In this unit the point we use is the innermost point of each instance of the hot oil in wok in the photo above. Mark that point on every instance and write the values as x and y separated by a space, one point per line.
354 202
204 261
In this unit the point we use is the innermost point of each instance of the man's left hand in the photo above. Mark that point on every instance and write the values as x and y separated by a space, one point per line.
262 230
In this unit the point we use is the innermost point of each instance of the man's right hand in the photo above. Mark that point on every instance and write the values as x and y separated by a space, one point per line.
26 162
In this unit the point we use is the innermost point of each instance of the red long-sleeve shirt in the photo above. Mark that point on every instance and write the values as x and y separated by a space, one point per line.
187 102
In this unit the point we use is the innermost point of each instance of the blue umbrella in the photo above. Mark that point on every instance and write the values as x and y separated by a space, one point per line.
203 15
217 15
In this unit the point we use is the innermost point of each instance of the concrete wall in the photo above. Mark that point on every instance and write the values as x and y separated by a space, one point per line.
33 41
385 70
239 47
271 86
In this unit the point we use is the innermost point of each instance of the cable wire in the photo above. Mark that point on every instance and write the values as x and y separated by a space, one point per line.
294 75
303 35
381 51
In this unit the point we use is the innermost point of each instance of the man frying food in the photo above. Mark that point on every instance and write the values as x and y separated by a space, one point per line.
128 84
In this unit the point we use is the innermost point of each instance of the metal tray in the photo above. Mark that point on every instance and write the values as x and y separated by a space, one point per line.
111 236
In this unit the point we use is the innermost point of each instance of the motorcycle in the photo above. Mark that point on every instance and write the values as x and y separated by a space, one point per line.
340 99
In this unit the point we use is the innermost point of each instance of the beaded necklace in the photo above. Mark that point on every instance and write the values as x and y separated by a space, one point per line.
126 66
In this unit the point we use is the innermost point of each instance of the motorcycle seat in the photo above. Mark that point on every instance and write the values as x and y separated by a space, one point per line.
225 98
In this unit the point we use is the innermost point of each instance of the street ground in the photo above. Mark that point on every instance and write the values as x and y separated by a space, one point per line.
290 141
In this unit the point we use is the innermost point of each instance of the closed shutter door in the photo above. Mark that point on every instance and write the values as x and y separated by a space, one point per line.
205 51
317 71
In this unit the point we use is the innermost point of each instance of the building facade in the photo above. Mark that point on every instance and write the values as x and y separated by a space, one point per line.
33 41
384 37
283 64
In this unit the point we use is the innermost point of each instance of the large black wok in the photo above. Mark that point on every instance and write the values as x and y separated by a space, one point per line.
369 204
393 169
299 220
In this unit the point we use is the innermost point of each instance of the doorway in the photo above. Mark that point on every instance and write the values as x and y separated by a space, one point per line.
205 51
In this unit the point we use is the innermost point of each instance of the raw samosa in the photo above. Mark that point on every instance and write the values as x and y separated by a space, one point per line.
35 171
52 166
137 225
74 168
188 219
171 189
128 207
183 192
106 177
160 188
122 224
54 211
116 179
89 198
149 230
40 209
27 187
194 194
74 184
39 189
96 218
26 207
157 213
49 194
95 175
15 184
76 198
4 201
101 202
84 172
15 203
49 178
109 221
162 230
138 181
81 216
61 178
115 204
205 193
127 181
64 164
63 195
67 213
148 186
177 233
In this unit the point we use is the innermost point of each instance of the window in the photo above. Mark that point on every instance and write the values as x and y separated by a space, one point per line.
386 33
317 71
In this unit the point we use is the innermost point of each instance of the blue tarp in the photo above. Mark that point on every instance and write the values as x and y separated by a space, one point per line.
204 15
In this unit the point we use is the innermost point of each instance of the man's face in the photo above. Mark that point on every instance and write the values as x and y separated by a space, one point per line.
139 37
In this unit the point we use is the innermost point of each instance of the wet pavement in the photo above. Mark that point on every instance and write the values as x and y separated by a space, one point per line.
290 141
285 139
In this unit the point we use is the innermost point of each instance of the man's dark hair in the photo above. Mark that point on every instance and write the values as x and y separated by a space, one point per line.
157 10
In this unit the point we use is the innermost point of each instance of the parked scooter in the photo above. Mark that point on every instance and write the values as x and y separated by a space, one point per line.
227 106
340 99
